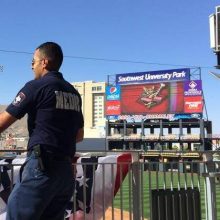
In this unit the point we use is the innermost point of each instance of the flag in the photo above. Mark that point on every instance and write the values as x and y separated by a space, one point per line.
5 181
4 185
97 180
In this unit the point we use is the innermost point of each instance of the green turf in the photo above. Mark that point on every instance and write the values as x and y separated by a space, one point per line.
152 178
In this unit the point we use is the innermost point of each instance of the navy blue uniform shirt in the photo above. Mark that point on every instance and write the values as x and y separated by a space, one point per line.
54 112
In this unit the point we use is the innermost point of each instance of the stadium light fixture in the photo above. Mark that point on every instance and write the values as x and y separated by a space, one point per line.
217 75
214 24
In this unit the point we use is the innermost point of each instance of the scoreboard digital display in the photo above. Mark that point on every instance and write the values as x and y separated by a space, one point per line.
164 95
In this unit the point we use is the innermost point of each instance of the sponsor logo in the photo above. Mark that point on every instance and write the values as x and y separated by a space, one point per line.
192 84
193 92
196 115
112 117
113 90
193 104
193 88
113 107
130 78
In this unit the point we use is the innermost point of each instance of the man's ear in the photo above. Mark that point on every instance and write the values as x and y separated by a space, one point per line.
45 63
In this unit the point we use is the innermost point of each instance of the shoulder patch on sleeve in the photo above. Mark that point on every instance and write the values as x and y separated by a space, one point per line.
19 99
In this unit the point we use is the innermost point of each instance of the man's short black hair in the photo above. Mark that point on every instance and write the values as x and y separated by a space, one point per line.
53 52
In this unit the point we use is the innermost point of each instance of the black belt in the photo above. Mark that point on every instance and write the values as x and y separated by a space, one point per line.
58 158
49 155
42 156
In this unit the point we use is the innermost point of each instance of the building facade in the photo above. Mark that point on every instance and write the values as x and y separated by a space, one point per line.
93 106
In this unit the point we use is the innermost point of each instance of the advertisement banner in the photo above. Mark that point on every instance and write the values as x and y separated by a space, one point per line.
153 76
193 88
187 116
157 98
170 117
193 104
112 117
113 108
113 93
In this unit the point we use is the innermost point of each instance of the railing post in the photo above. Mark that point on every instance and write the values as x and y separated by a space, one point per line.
210 187
136 190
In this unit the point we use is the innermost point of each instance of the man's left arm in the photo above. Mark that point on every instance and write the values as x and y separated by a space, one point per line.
80 135
6 120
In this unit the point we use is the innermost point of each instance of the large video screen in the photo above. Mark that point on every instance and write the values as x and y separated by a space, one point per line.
131 97
152 98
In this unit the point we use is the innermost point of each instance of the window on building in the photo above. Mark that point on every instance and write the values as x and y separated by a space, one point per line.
93 88
99 88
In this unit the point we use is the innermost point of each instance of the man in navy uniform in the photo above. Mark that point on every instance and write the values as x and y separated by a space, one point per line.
55 125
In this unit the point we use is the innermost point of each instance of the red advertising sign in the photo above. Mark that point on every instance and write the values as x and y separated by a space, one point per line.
152 98
113 108
193 104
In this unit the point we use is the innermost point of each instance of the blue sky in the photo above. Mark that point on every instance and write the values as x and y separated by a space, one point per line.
165 32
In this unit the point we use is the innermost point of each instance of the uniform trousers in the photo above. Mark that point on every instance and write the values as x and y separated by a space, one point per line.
41 195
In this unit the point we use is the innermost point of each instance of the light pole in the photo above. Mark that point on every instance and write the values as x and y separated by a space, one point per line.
217 75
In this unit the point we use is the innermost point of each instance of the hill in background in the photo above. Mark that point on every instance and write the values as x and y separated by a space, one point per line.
87 145
19 127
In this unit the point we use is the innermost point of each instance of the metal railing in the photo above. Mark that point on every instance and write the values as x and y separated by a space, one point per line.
109 188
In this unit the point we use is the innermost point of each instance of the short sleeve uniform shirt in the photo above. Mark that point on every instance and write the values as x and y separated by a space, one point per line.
54 112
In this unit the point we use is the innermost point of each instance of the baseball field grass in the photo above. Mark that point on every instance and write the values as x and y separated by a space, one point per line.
160 180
